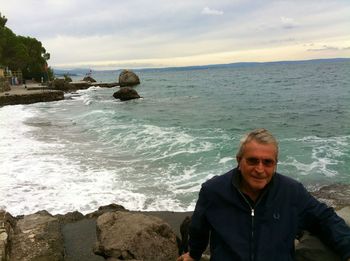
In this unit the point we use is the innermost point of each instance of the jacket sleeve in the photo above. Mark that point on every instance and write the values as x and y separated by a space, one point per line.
199 228
322 221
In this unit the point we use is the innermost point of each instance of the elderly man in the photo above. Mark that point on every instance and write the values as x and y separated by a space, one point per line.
253 213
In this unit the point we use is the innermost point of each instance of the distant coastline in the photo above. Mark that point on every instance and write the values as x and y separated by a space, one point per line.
83 71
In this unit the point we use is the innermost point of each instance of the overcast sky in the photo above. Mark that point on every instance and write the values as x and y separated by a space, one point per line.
113 34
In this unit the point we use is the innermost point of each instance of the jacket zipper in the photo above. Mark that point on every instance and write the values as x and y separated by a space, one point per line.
253 245
252 225
252 214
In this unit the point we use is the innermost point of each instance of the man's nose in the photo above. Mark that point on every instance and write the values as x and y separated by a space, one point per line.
260 167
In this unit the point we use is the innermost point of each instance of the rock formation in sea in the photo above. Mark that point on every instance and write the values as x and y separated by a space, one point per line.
126 93
128 78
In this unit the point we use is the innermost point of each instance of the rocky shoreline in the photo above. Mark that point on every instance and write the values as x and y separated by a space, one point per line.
31 97
33 93
74 236
115 233
54 91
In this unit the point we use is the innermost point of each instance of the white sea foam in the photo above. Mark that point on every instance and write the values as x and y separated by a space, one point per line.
89 90
318 166
225 159
62 176
161 143
324 154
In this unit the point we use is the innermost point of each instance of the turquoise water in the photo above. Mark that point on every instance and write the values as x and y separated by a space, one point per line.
153 153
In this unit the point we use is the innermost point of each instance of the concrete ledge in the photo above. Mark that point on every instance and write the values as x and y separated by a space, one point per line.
30 97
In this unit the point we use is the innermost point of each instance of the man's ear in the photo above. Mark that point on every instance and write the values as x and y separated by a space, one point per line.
238 161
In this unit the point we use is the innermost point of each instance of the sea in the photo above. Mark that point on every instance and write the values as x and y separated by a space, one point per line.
154 153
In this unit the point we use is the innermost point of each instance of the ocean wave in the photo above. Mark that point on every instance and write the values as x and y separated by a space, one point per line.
320 155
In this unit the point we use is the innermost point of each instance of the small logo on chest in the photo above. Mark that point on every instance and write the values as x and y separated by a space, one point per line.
276 216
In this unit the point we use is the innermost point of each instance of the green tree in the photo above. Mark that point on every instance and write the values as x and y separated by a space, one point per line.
3 20
23 53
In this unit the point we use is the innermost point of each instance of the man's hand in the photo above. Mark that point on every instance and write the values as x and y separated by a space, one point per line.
186 257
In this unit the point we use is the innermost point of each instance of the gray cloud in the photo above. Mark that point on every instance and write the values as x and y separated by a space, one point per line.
282 40
328 48
324 48
144 32
209 11
288 23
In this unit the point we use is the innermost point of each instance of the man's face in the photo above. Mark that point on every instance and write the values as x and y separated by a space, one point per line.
257 165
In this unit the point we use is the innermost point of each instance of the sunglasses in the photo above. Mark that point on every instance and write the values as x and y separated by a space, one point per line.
255 161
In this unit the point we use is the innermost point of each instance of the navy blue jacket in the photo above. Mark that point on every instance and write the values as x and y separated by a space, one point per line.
243 232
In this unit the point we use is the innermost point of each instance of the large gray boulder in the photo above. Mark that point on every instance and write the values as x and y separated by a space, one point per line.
126 93
37 237
128 78
132 236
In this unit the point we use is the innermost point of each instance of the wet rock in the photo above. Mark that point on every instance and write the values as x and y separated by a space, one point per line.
128 78
126 93
132 236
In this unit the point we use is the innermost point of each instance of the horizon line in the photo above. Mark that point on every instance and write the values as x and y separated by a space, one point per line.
203 66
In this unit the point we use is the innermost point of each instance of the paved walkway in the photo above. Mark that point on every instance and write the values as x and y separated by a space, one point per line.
21 89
